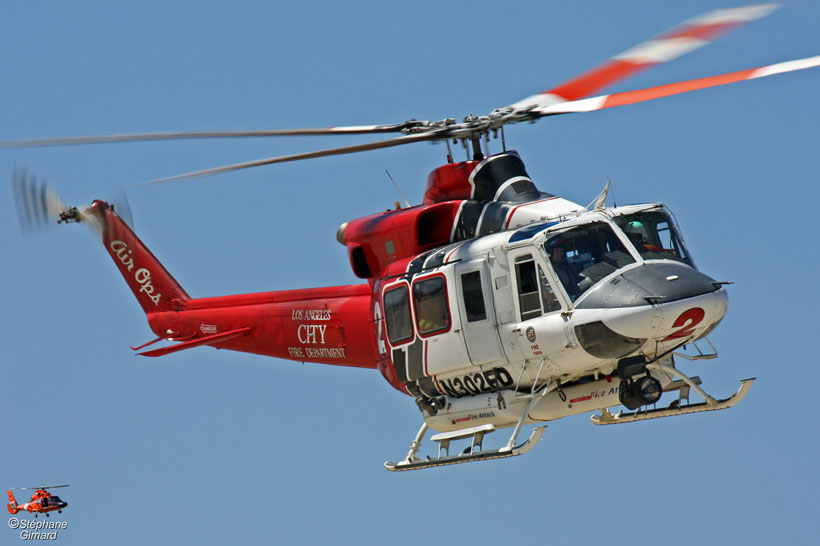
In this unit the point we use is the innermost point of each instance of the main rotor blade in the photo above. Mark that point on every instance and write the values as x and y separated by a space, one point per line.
141 137
397 141
641 95
689 36
41 487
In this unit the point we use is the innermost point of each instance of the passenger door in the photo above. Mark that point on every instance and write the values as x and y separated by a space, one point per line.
478 320
439 345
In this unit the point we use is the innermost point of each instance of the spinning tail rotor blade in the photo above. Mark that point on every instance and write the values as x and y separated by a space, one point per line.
38 203
40 206
397 141
689 36
142 137
119 203
641 95
123 208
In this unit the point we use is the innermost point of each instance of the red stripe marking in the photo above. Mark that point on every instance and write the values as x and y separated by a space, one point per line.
447 258
631 97
510 215
582 399
617 69
437 385
704 32
598 78
426 373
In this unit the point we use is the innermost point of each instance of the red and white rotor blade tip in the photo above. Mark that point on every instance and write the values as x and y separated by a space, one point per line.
689 36
641 95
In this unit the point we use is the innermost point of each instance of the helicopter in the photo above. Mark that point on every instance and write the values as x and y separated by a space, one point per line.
42 501
492 303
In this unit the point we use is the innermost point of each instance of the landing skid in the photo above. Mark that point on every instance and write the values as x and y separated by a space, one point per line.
469 455
710 404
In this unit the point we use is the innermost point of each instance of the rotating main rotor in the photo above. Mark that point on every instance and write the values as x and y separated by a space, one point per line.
572 96
42 487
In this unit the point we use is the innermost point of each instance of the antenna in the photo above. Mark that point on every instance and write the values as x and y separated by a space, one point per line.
397 189
614 202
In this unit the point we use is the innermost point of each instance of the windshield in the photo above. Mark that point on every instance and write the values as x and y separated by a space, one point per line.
655 236
584 255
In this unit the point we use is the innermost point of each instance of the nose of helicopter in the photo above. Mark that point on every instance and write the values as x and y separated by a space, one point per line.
651 283
665 303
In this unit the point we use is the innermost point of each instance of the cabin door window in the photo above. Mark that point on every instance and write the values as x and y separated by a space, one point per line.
477 316
397 314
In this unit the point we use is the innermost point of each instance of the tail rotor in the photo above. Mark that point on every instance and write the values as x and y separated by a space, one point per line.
39 205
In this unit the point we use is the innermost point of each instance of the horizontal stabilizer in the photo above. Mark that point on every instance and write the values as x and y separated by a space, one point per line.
208 340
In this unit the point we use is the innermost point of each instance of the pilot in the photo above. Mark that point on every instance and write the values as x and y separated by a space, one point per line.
565 270
637 236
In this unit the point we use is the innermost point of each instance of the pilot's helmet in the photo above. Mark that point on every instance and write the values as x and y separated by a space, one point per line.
635 228
556 244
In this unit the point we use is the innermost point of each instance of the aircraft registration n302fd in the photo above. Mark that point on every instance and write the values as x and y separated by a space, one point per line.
492 303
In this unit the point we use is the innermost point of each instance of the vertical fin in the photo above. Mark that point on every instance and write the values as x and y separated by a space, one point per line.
12 505
154 288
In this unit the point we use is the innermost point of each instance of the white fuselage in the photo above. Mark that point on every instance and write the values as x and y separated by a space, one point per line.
514 326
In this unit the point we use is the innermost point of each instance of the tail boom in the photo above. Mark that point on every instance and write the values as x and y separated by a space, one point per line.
329 325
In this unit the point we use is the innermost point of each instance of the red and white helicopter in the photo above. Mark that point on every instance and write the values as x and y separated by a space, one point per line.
494 304
42 501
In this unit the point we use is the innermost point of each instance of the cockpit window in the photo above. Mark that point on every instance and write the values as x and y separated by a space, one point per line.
655 236
584 255
397 314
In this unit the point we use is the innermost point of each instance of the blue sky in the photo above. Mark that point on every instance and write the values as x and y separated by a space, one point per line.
213 447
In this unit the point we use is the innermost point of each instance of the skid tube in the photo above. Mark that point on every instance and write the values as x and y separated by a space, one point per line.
413 463
709 404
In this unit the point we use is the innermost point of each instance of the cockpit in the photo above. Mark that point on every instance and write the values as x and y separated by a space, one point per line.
53 500
582 256
655 235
